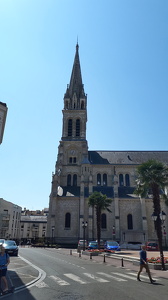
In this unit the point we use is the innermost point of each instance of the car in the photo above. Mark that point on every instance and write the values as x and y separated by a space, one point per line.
11 248
2 241
152 246
111 246
101 244
93 245
81 243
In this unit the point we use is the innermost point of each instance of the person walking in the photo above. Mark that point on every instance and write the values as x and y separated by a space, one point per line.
144 264
4 262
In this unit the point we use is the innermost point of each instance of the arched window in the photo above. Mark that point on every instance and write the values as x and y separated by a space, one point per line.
104 179
127 180
82 105
69 180
121 180
98 179
129 221
103 221
67 220
75 180
70 127
77 127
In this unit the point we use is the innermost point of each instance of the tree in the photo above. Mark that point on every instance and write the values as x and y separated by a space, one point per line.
153 179
100 202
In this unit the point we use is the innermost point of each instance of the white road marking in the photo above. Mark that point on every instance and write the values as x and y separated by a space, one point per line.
124 275
42 285
143 276
111 276
59 280
95 277
75 278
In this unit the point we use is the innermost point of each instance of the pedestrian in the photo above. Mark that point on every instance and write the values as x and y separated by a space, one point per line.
4 262
144 264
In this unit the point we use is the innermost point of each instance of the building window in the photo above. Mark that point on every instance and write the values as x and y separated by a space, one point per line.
77 127
127 180
103 221
70 160
104 179
70 127
129 221
66 105
74 160
98 179
121 180
67 220
82 105
74 180
69 180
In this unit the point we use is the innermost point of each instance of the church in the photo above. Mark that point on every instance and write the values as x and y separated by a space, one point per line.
79 172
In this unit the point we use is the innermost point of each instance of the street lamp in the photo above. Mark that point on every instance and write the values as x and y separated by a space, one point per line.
84 225
113 231
164 233
159 219
124 236
53 228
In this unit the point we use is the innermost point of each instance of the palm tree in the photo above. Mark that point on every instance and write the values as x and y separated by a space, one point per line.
153 179
100 202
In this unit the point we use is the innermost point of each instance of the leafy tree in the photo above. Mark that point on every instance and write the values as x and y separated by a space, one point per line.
100 202
153 179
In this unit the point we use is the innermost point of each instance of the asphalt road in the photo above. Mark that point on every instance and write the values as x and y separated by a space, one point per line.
69 277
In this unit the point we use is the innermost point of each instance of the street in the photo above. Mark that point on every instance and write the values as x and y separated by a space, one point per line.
69 277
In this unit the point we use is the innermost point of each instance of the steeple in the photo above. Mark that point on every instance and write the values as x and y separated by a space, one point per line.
76 86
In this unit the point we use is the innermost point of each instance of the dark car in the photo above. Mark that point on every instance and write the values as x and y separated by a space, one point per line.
2 241
10 247
152 246
111 246
92 245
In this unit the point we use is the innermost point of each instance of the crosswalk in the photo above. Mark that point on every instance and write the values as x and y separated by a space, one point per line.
100 277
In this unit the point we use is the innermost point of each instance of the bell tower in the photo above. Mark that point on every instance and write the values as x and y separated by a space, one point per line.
72 153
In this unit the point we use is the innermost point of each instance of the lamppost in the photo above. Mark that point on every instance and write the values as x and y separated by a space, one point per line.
144 234
53 228
113 232
164 233
159 219
124 236
84 225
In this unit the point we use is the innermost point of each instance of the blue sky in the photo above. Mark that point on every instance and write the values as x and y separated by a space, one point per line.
123 46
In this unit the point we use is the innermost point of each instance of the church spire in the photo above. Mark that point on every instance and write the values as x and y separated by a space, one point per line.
76 85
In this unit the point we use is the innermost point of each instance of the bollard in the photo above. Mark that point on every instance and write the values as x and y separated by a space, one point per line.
70 252
90 255
122 262
80 254
104 258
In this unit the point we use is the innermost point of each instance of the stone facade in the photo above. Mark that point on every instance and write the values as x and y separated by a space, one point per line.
10 215
79 172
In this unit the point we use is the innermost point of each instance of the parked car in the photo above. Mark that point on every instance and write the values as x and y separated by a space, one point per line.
131 245
2 241
92 245
152 246
11 247
101 244
111 245
81 243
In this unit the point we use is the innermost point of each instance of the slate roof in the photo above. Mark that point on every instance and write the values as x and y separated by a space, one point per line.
126 157
40 219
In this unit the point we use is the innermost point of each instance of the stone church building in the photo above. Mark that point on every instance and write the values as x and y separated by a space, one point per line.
79 172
